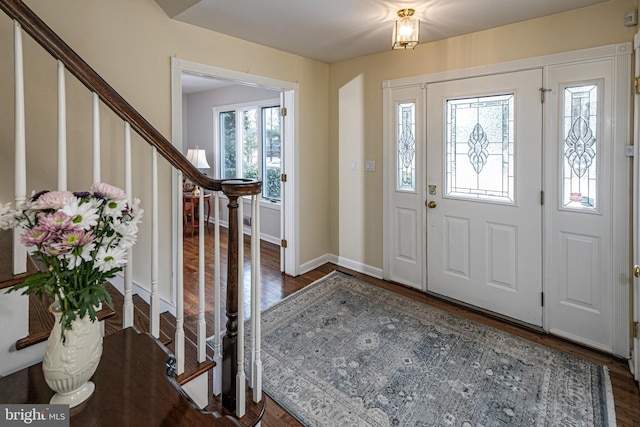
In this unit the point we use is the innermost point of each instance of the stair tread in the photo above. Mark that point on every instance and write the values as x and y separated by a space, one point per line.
192 368
41 321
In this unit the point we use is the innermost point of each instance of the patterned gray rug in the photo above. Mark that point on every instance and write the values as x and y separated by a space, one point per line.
341 352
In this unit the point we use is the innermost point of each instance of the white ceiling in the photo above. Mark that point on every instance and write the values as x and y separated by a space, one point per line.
194 84
335 30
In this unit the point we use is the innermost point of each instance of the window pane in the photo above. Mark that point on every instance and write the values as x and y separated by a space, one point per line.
405 135
228 143
271 149
579 169
250 151
479 148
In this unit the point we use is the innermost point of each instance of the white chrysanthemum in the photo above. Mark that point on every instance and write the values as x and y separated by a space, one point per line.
7 216
135 211
79 255
128 233
85 215
114 208
110 258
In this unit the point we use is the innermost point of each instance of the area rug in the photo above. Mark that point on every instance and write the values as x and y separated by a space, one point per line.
342 352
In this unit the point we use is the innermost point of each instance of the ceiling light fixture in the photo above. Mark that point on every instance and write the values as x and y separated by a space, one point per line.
406 32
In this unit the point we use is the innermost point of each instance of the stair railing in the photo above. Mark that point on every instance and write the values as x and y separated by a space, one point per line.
229 377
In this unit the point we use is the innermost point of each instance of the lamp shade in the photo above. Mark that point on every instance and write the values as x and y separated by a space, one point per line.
198 158
406 32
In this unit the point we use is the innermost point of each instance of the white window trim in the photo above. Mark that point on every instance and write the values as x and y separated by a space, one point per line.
263 103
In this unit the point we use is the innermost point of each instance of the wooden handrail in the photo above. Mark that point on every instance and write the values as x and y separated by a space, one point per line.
53 44
233 188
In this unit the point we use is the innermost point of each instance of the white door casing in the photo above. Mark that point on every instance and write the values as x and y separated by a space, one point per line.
290 199
484 235
617 248
635 365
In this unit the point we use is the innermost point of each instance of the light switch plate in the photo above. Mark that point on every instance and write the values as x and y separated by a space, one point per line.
370 166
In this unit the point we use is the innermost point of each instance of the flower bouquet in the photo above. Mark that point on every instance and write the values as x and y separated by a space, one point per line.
81 240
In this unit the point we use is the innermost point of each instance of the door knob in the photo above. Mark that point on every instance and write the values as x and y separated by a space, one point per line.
636 270
432 205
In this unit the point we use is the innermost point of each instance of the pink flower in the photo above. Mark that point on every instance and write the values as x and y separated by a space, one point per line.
53 200
35 236
77 238
108 191
56 222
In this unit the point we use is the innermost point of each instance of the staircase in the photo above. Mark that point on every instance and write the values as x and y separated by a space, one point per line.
206 377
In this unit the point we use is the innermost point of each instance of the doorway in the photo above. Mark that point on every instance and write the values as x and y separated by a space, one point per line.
287 93
542 239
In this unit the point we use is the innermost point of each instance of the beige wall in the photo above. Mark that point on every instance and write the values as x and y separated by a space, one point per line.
130 44
359 237
340 116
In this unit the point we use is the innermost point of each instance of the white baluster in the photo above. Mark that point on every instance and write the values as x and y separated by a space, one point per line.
154 303
240 377
202 324
217 310
20 169
179 335
256 369
96 137
62 129
127 309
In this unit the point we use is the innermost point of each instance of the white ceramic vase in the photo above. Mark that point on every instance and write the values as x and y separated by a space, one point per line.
69 365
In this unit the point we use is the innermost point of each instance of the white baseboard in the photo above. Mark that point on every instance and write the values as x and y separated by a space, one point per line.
342 262
247 231
360 268
315 263
118 283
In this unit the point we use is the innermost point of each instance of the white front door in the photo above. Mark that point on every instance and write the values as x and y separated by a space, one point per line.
484 182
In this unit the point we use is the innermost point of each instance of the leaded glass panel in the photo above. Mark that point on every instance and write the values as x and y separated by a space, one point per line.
406 152
579 165
480 148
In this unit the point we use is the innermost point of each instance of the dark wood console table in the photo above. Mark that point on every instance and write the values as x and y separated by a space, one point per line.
190 206
131 389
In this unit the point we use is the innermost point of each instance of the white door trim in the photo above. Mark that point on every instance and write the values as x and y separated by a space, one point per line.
290 166
620 231
635 362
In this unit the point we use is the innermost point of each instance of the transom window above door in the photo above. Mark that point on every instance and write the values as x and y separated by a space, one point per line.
480 148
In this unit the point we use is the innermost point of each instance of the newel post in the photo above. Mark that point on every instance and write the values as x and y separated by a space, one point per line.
234 190
230 340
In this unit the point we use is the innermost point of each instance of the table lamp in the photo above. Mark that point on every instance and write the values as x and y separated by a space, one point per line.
198 158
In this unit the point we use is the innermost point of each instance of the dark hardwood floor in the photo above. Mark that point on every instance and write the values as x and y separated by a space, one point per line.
275 286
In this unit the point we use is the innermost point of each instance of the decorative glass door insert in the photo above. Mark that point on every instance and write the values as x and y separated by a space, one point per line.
580 147
406 149
480 148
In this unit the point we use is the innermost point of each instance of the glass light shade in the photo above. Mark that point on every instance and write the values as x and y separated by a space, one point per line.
198 158
406 32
